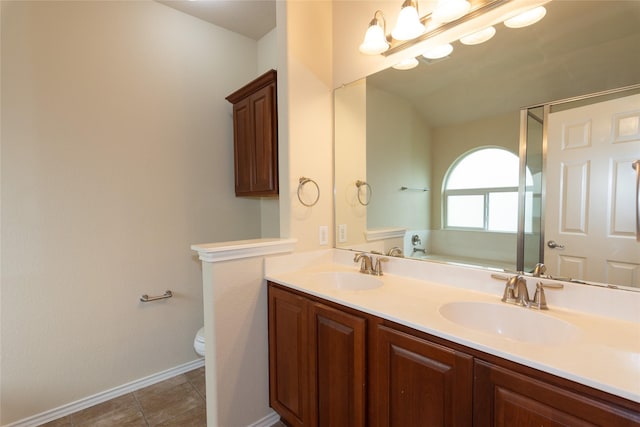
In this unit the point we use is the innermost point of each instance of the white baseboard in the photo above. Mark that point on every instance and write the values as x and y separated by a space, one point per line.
267 421
87 402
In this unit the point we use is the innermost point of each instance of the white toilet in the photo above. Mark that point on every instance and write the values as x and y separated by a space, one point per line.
198 342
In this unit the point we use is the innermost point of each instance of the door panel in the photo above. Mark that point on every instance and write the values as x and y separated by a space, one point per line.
590 203
421 384
337 363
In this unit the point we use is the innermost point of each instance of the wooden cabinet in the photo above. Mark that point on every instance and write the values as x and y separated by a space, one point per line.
334 366
420 383
288 356
506 398
316 362
255 137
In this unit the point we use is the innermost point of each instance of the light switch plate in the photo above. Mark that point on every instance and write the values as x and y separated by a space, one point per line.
324 234
342 233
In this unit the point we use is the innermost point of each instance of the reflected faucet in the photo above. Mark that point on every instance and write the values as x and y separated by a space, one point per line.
539 270
395 251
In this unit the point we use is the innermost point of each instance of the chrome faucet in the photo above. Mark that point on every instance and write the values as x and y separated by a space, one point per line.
365 262
516 292
368 264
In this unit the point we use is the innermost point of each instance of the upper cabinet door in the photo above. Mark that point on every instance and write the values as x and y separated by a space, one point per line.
255 137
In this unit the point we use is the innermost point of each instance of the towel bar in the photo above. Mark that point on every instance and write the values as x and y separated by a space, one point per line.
147 298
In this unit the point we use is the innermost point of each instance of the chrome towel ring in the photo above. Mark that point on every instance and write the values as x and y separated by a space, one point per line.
367 191
301 183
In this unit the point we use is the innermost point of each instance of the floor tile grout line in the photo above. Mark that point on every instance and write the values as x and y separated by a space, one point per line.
144 416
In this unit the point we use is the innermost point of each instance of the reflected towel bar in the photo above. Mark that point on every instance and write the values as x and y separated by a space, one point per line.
147 298
413 189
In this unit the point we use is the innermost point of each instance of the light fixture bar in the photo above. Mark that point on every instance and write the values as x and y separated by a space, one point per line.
478 7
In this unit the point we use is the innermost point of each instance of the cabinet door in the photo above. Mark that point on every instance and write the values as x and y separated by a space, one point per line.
243 151
421 383
288 356
265 148
337 364
503 398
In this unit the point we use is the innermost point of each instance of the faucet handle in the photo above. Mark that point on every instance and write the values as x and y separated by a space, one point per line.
539 300
377 269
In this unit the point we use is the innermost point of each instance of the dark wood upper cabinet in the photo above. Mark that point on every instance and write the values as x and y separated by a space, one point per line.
255 136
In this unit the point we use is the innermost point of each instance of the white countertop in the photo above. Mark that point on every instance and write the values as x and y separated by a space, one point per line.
604 353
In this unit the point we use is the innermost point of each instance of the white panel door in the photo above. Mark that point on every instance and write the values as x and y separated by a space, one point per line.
591 194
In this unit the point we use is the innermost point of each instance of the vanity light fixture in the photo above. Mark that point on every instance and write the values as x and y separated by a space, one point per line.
411 29
408 25
406 64
479 36
375 40
439 51
527 18
450 10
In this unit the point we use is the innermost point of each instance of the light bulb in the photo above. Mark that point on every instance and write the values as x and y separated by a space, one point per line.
375 41
479 36
406 64
408 25
438 51
450 10
524 19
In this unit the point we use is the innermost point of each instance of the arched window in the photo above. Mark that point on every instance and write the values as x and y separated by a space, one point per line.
481 191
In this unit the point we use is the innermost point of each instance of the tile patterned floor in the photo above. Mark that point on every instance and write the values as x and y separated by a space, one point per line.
176 402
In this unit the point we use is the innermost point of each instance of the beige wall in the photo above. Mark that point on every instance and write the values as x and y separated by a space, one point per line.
398 155
116 157
350 161
306 120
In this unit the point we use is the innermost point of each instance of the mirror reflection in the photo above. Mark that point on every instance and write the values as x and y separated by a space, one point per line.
459 154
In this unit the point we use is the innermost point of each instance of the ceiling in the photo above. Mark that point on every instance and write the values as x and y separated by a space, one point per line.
251 18
580 47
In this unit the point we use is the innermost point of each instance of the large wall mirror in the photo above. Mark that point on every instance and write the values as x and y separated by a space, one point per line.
496 157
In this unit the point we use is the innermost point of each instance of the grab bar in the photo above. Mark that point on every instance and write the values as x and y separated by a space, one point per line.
636 165
147 298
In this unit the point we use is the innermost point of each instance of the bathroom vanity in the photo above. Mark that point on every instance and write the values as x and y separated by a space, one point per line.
358 350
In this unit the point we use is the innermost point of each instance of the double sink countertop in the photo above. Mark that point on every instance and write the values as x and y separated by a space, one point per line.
590 334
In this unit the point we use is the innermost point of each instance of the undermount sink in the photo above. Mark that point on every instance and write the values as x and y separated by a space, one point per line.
346 280
516 323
